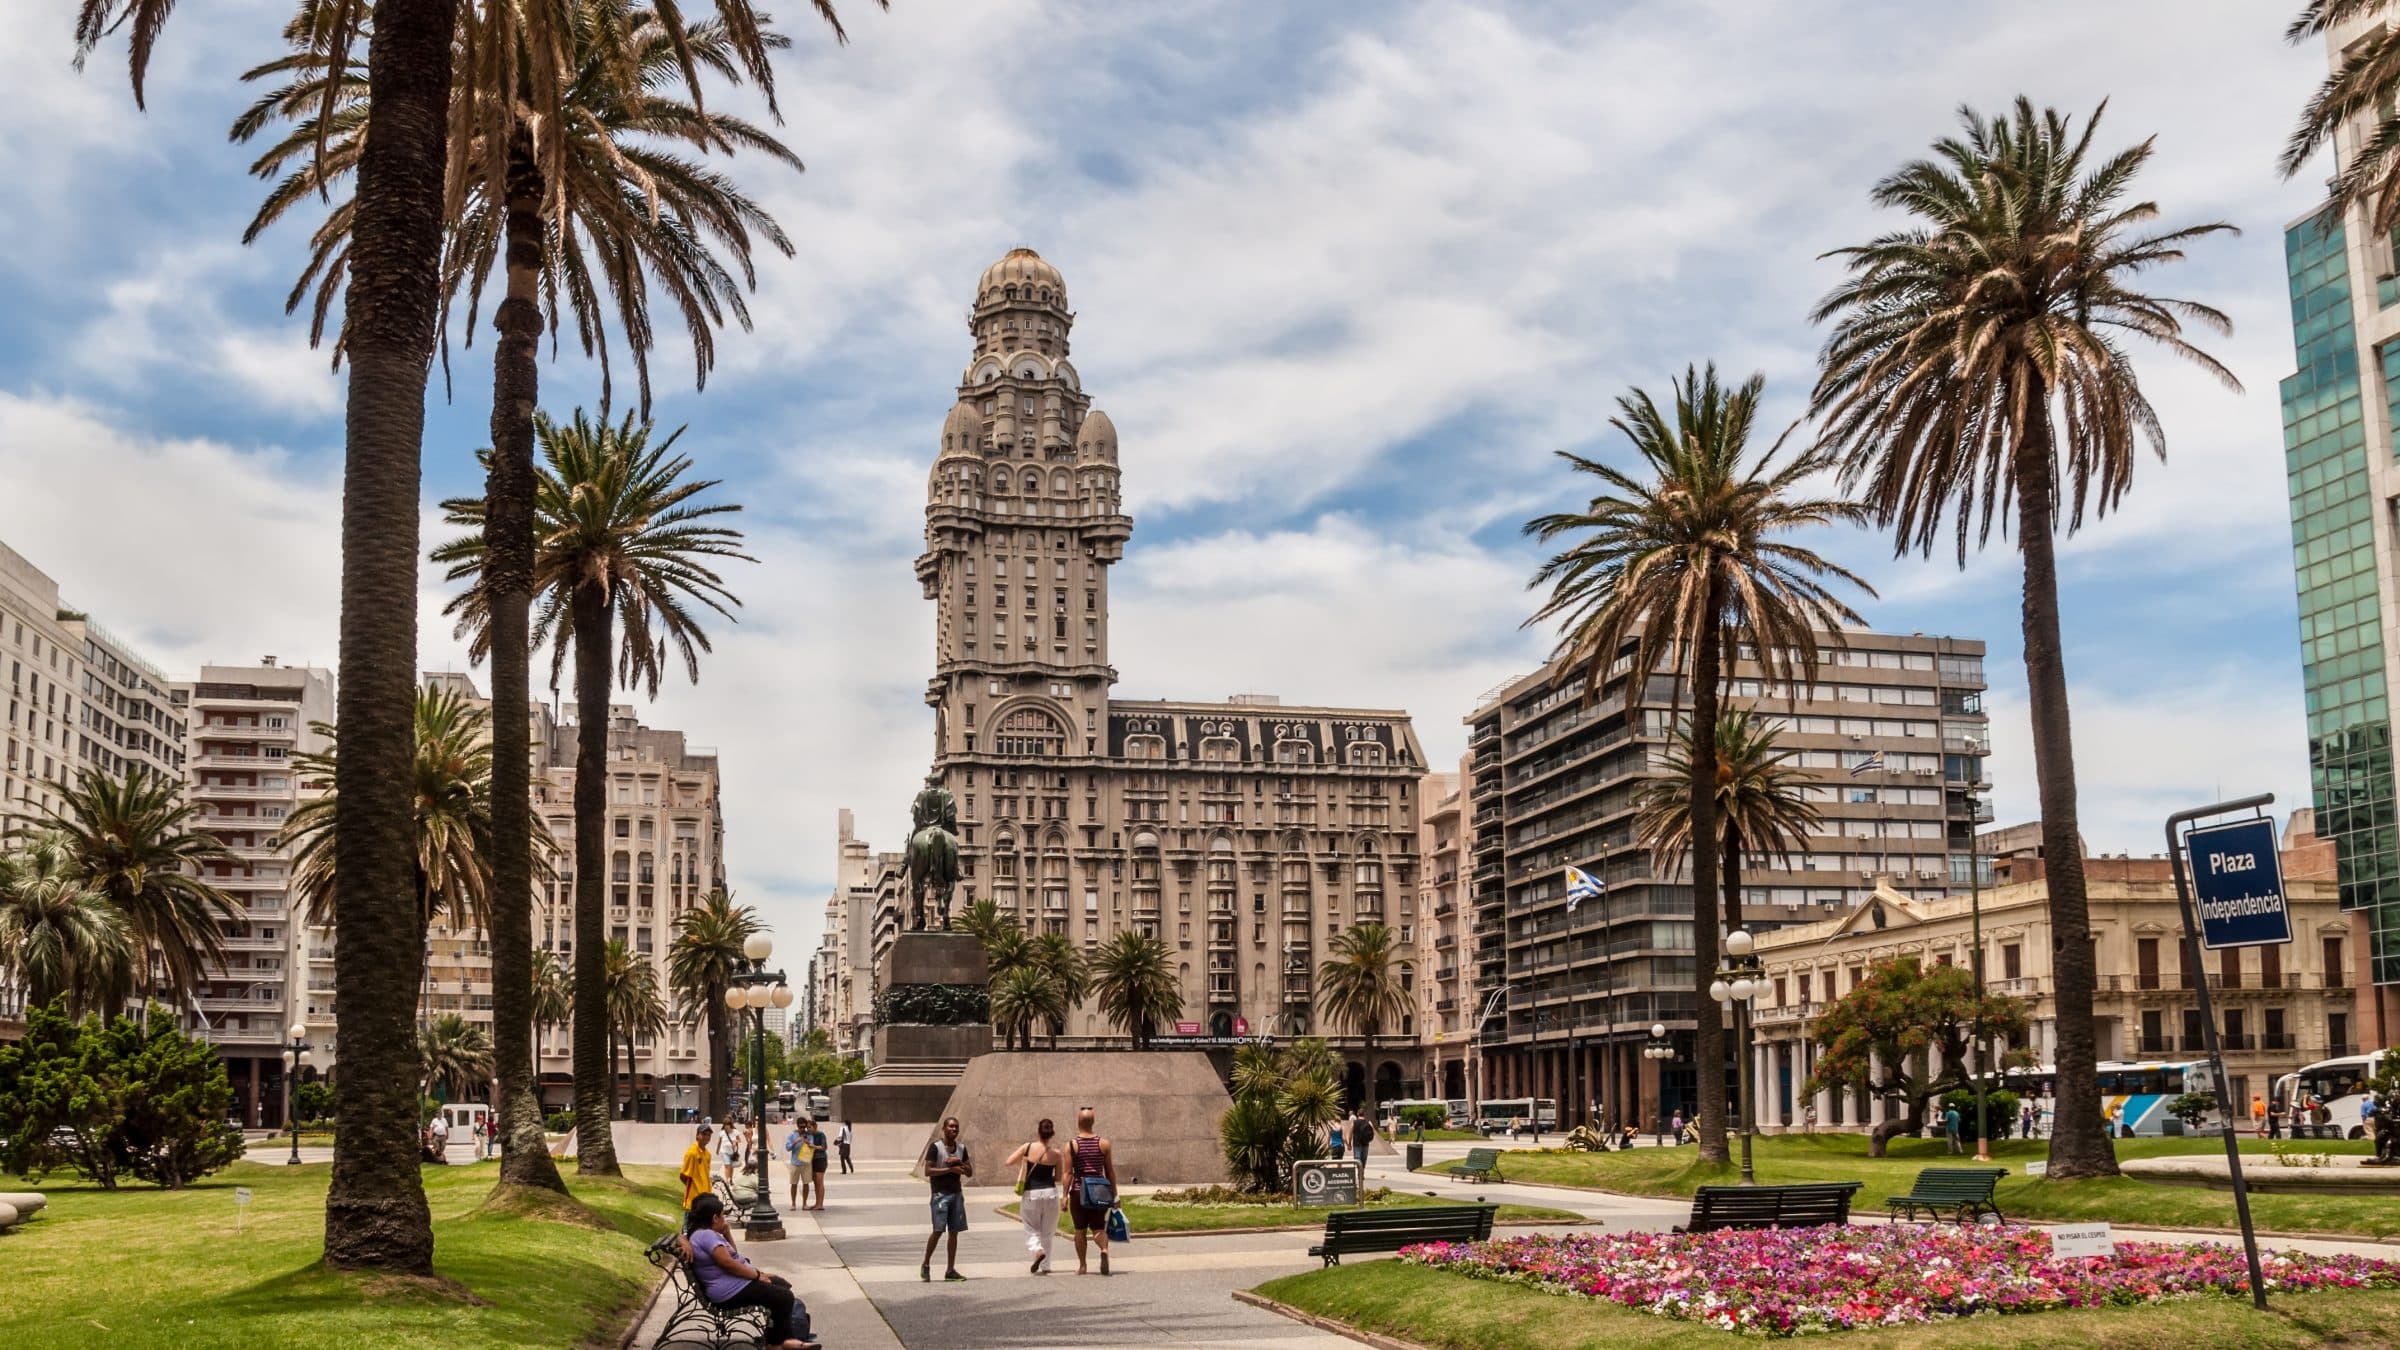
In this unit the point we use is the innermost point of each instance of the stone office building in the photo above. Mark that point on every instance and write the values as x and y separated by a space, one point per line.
1893 729
1245 835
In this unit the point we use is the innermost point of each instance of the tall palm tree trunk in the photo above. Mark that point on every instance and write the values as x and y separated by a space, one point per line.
595 1151
508 574
375 1212
1708 1039
2079 1145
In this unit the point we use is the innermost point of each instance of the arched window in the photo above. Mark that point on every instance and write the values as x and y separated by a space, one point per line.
1220 750
1033 483
1295 752
1029 731
1000 481
1145 747
1366 752
1060 484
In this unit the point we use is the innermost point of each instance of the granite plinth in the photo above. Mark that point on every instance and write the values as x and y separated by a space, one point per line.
909 1043
933 958
1159 1108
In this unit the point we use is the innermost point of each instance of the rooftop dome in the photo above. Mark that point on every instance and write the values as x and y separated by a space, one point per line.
1024 269
962 432
1096 439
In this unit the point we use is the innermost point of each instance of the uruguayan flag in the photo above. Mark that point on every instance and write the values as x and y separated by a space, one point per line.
1580 887
1871 764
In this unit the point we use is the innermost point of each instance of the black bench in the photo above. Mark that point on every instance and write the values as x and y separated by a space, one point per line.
694 1319
1388 1230
1480 1164
1806 1205
1965 1193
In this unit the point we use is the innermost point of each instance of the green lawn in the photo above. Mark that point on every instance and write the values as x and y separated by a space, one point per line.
1843 1157
1146 1216
142 1267
1452 1312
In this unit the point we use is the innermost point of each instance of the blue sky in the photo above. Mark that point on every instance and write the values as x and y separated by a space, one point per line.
1345 275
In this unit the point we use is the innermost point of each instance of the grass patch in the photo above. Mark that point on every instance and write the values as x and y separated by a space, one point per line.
1451 1312
1147 1215
1843 1157
143 1268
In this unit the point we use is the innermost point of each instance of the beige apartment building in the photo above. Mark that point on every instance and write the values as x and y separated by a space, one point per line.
1448 998
246 724
2278 1008
666 851
1244 834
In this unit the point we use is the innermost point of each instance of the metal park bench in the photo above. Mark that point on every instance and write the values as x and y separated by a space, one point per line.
694 1319
1965 1193
1480 1164
1806 1205
1388 1230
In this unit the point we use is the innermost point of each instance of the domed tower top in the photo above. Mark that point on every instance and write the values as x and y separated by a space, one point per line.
1096 440
962 433
1022 277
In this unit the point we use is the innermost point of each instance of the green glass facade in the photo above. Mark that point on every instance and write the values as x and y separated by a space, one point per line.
2333 560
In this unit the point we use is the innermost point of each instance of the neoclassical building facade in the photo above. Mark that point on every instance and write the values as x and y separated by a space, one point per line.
1245 834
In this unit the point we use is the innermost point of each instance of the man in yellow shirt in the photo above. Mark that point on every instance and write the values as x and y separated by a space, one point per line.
695 1169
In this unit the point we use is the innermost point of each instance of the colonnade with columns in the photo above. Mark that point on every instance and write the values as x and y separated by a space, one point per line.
1778 1068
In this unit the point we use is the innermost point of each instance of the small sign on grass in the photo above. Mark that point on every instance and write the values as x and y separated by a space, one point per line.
2082 1239
241 1205
1325 1182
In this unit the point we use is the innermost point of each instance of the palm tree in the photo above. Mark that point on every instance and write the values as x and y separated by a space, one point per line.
621 545
634 1007
599 183
375 1209
59 934
984 922
132 838
551 1002
1359 987
456 1054
2366 83
1137 988
702 958
1065 964
1021 997
450 820
1957 343
1672 569
1762 806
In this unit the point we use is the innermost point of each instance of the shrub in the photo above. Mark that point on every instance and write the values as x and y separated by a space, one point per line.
2000 1108
1283 1100
313 1102
560 1122
108 1099
1426 1116
2191 1108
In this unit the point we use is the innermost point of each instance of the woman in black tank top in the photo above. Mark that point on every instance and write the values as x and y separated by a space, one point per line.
1038 1209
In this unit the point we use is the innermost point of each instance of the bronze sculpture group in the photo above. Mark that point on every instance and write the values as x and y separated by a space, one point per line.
932 856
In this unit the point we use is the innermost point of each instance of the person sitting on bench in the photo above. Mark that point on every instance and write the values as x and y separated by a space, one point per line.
731 1282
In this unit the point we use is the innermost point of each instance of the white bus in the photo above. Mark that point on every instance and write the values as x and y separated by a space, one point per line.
1507 1112
2143 1091
2340 1084
1387 1114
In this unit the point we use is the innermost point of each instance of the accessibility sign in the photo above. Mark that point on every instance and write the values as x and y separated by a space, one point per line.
2237 879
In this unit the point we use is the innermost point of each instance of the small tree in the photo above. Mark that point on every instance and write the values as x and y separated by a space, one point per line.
312 1101
111 1099
1878 1036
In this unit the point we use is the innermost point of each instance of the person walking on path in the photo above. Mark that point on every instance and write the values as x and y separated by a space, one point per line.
1092 1163
1334 1148
1808 1118
2275 1119
729 1151
947 1165
1678 1125
817 1161
729 1281
1362 1135
841 1141
795 1159
2258 1114
695 1169
1038 1192
1950 1129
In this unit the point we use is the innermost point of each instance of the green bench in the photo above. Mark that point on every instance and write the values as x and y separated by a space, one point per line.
1965 1193
1480 1164
1388 1230
1805 1205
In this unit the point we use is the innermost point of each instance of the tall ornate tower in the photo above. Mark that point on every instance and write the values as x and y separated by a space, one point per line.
1022 521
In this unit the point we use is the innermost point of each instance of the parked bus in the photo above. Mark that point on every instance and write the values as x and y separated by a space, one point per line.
2340 1085
1507 1112
2142 1091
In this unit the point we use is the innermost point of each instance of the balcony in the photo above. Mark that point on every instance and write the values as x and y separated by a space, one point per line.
1782 1014
2239 1043
2151 1047
2276 1040
231 792
2341 1050
240 1005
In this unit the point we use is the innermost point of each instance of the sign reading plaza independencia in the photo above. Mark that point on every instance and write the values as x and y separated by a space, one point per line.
2237 881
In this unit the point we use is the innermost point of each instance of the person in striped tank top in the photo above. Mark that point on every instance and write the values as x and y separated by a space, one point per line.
1092 1164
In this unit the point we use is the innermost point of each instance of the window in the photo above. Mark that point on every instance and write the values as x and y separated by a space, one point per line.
2012 962
1029 731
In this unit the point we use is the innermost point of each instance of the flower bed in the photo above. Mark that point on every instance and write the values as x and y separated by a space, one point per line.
1794 1281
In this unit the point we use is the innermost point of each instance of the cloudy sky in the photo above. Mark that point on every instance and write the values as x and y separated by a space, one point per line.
1346 274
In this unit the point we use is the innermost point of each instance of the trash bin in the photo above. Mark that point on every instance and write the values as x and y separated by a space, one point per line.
2171 1125
1416 1157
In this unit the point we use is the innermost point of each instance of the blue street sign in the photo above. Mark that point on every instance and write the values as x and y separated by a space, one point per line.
2237 877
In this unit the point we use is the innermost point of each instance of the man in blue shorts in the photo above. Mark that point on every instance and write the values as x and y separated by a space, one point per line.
947 1165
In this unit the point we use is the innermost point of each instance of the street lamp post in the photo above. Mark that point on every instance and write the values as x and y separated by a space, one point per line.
1983 1056
1738 981
1661 1048
297 1047
756 990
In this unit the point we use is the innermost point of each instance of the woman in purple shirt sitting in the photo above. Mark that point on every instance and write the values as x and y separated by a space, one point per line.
731 1282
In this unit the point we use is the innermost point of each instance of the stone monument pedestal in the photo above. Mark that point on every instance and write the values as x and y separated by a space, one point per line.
893 1110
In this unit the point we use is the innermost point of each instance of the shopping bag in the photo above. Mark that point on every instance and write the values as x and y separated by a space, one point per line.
1118 1229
